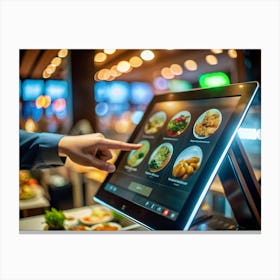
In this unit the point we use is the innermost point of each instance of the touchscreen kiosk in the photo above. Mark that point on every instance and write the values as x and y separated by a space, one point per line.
185 137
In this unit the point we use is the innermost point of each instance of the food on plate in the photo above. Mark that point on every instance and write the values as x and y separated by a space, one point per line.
178 123
155 122
27 185
24 176
54 219
70 222
79 227
27 192
99 214
186 167
106 227
207 123
187 163
160 157
135 157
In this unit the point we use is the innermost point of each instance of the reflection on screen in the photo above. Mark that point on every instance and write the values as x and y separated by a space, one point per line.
177 139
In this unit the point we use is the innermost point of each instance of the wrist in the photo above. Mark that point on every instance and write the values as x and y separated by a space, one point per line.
62 146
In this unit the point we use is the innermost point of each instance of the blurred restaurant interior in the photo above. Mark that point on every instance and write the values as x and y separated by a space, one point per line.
72 91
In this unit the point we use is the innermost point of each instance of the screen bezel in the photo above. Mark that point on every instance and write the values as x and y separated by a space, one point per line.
153 221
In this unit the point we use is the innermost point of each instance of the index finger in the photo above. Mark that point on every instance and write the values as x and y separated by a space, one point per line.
114 144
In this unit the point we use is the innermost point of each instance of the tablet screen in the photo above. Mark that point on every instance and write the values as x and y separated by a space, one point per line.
183 137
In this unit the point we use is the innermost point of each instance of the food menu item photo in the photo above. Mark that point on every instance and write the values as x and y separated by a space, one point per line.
135 157
160 157
178 123
207 124
187 162
155 123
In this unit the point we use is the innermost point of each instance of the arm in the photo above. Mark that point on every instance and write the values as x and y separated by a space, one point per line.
39 150
42 150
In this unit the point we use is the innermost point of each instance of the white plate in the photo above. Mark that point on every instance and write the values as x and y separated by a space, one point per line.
79 228
70 222
200 119
111 224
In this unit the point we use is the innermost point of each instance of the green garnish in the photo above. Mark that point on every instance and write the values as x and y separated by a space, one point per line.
140 155
54 219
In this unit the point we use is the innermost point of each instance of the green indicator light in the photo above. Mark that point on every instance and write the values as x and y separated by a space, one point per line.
215 79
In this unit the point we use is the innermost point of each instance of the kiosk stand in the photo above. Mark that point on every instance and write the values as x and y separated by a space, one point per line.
161 192
242 191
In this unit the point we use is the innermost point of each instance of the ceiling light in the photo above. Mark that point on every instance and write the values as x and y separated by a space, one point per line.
166 73
103 74
50 69
232 53
190 65
100 57
216 51
123 66
114 71
46 75
211 59
56 61
176 69
62 53
136 61
147 55
109 51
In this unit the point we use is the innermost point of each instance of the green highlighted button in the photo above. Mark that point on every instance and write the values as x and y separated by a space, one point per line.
139 188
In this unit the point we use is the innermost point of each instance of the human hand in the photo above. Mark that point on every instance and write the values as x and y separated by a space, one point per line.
92 150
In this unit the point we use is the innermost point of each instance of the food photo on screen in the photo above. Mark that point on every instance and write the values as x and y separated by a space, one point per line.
155 123
137 156
160 157
178 123
187 162
207 123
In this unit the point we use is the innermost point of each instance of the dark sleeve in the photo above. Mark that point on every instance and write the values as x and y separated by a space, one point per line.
39 150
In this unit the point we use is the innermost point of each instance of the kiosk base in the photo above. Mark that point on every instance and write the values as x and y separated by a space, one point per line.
214 222
243 192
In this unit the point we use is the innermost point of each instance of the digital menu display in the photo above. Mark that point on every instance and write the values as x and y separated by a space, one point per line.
177 139
179 142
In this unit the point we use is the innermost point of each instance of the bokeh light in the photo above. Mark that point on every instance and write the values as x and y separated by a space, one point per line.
147 55
190 65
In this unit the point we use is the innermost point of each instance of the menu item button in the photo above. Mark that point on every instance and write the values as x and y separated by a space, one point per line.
159 209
